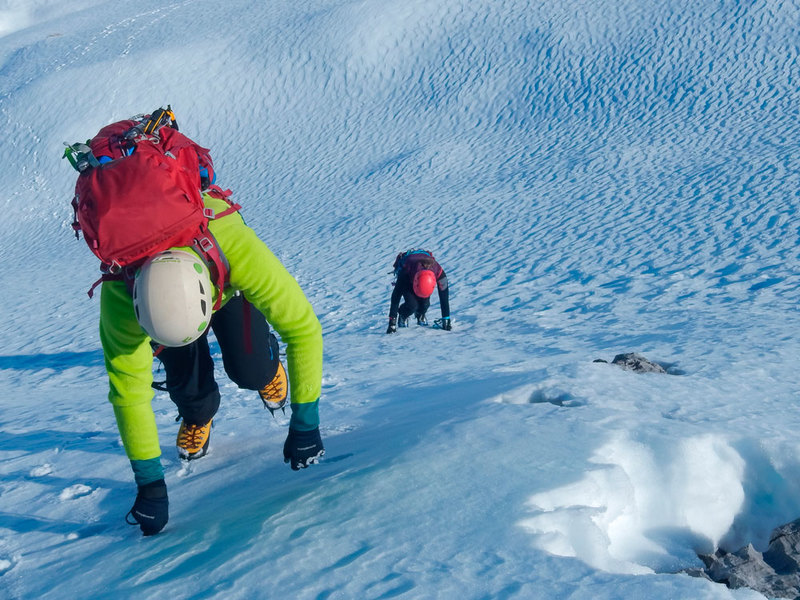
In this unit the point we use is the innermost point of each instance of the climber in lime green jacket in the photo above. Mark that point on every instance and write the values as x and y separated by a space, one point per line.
260 292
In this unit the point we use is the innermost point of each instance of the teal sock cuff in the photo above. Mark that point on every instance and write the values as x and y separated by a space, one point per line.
147 471
305 417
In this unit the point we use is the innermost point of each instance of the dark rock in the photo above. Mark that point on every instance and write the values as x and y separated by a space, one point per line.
783 554
631 361
775 573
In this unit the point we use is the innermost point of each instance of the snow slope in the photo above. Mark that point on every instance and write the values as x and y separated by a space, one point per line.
597 179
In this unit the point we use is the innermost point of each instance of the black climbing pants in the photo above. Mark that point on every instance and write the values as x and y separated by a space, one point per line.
413 304
249 356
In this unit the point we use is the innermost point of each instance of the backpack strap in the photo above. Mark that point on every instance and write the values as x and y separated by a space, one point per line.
207 246
103 277
217 192
208 249
109 273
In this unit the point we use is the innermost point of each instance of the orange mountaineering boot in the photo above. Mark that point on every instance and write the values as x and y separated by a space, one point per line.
274 394
193 440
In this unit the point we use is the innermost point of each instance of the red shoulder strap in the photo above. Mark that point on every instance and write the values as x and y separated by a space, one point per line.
217 192
208 248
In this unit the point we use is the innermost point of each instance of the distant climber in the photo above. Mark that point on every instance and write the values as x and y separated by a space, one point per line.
418 274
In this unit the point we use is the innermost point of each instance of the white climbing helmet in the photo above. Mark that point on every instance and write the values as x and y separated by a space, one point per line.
173 297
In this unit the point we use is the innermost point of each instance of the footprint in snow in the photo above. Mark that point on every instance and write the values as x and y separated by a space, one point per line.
5 565
41 470
75 491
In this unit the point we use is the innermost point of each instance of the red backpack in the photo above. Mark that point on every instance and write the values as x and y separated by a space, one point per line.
139 193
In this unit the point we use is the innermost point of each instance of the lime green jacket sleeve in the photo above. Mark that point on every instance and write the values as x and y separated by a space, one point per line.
129 363
265 282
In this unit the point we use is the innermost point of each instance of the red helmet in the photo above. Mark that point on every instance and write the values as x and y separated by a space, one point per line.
424 283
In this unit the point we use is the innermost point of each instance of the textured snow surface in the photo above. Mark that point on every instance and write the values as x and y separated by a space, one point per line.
596 178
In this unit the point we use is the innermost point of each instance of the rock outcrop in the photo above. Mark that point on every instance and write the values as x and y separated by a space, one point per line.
775 573
631 361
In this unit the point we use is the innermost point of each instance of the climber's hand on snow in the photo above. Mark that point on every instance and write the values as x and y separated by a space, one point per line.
303 448
151 508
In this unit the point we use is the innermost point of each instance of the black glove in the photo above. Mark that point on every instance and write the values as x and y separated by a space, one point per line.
446 325
392 325
303 448
151 509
